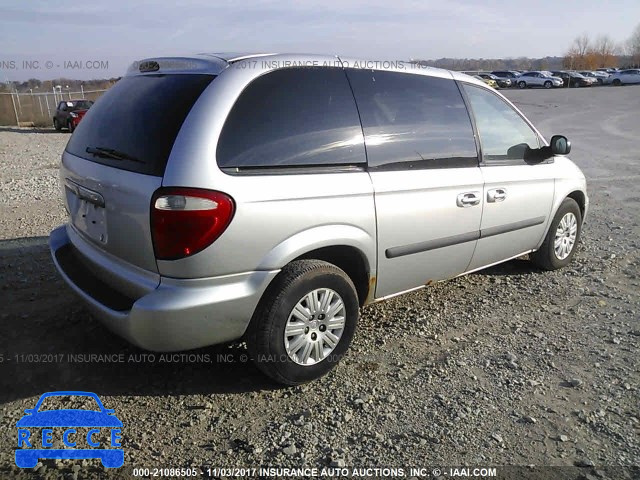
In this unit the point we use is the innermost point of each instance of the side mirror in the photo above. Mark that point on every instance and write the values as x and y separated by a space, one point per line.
560 145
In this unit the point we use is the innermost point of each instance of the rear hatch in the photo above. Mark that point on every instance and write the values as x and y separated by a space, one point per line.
116 159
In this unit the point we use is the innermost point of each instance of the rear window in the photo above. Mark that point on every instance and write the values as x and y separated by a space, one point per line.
138 120
80 104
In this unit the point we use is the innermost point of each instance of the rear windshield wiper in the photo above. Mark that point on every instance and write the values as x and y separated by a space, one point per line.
111 153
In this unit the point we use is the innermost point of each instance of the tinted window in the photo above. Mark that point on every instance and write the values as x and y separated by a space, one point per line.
413 121
139 117
505 137
293 117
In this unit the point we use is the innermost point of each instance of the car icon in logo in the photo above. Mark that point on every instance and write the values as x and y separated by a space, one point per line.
32 447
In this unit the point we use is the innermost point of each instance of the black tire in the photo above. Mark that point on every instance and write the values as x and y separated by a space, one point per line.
546 257
522 84
56 125
70 126
548 84
617 82
600 81
265 335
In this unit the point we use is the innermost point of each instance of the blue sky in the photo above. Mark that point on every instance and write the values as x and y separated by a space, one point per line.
120 31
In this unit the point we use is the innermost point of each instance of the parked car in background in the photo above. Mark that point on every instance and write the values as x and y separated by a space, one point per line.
489 81
270 203
600 77
69 113
502 82
538 79
507 75
607 70
574 79
624 77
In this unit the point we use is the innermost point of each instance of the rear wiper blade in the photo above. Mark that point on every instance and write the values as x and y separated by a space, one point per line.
112 153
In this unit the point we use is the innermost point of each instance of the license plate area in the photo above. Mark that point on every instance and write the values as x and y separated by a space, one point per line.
87 210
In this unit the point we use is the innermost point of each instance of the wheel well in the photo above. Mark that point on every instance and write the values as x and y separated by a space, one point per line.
349 259
579 197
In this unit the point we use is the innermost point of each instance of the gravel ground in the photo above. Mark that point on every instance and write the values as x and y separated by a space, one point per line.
507 366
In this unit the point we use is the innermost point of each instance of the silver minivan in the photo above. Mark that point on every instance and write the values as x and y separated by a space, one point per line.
269 197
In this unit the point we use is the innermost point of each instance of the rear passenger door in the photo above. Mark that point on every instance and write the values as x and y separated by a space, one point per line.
423 163
518 192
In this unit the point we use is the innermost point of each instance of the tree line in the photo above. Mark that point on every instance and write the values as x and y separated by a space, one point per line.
584 53
588 54
33 85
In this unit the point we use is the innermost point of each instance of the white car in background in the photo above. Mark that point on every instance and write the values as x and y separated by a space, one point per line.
538 79
624 77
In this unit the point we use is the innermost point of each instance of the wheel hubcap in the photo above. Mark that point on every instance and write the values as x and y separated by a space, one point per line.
314 327
566 234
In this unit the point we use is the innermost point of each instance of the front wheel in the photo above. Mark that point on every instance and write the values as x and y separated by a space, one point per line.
617 82
561 241
522 85
547 84
70 126
56 125
304 323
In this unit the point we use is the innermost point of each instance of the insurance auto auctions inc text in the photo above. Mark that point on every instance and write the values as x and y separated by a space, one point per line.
355 472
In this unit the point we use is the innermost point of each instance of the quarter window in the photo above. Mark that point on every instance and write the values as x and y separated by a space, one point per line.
505 137
413 121
293 117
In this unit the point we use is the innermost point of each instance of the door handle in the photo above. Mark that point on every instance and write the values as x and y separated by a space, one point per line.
496 195
468 199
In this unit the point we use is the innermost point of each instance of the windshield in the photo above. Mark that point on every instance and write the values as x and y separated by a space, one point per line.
69 402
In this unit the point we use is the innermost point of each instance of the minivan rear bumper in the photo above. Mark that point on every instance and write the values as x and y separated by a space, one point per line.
180 314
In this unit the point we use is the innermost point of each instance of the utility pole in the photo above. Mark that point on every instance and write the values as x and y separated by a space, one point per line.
15 110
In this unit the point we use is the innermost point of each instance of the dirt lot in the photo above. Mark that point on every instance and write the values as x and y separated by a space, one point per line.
508 366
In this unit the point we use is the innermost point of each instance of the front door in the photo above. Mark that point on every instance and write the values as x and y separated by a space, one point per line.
518 192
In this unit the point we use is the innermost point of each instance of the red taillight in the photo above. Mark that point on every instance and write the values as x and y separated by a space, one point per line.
185 221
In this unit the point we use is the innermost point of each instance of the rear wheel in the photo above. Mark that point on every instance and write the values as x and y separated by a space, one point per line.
561 241
522 84
547 84
304 323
